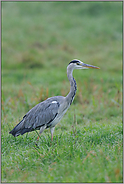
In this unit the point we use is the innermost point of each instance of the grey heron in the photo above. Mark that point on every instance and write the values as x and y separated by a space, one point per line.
48 113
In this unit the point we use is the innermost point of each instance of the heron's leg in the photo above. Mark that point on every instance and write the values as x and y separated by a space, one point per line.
37 138
52 130
41 130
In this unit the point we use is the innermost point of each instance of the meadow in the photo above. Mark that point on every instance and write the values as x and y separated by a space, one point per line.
39 39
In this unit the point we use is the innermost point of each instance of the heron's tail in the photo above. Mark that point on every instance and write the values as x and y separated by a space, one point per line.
19 129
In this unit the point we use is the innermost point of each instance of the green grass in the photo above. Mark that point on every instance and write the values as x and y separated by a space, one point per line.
39 39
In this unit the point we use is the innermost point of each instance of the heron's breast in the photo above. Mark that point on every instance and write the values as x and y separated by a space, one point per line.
58 118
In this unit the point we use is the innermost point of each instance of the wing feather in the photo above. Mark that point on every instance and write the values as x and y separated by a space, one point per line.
42 113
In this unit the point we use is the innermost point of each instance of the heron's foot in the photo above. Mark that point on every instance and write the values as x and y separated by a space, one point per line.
36 144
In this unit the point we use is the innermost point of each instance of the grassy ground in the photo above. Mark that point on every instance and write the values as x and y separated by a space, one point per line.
39 39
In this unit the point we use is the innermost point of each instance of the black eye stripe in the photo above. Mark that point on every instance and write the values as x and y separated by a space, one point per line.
75 61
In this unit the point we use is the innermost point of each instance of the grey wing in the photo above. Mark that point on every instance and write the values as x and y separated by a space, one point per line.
43 113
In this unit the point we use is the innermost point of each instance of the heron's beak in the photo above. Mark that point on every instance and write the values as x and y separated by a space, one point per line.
89 66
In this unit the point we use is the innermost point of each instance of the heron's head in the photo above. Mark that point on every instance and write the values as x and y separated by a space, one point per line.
77 64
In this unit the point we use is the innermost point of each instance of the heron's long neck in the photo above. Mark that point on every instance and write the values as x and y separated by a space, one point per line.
73 88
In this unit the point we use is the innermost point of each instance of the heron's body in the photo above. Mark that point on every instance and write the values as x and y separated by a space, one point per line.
49 112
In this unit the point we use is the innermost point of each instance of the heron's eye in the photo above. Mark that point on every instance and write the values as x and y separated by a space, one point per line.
77 63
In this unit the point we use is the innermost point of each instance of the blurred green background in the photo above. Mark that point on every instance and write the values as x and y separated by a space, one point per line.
39 39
